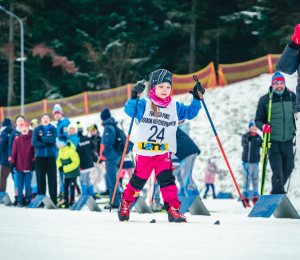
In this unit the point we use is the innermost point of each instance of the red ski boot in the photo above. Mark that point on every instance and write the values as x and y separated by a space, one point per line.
255 198
124 210
175 216
246 200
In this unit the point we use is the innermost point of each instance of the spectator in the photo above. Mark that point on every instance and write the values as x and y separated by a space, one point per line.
251 143
15 134
289 62
44 141
73 134
62 122
34 124
109 154
6 131
281 130
22 157
67 162
84 150
210 173
96 139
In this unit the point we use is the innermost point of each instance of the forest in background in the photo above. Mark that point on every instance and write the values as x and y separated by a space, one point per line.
73 46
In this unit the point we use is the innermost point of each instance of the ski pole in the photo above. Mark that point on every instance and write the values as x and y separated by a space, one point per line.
219 142
125 148
91 175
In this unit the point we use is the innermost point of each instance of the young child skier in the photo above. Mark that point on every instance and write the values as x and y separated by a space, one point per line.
157 118
67 162
22 157
251 143
210 173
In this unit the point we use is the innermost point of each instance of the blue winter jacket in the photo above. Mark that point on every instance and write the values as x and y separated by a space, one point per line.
74 139
43 139
62 126
183 112
4 140
108 139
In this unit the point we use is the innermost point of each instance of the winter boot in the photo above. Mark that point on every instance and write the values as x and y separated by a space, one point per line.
15 202
204 197
64 205
20 204
174 215
60 196
105 193
246 200
255 198
112 207
27 202
124 210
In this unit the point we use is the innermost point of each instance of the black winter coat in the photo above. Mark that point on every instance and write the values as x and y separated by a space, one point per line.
288 63
96 140
84 150
254 143
185 145
4 141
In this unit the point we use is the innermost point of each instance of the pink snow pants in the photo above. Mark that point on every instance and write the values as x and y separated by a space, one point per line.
162 165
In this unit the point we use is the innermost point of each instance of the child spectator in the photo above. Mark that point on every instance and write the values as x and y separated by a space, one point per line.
209 179
22 157
67 162
251 143
73 134
96 139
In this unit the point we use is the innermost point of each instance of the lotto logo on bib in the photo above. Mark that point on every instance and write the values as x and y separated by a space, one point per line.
146 146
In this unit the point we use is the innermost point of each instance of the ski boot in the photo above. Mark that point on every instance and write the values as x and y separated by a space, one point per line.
204 197
63 204
105 193
246 200
15 202
175 216
60 196
156 206
255 198
124 210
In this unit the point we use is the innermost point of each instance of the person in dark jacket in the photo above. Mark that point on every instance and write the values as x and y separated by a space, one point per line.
109 154
281 130
251 143
15 134
84 150
289 63
96 139
22 157
44 141
6 131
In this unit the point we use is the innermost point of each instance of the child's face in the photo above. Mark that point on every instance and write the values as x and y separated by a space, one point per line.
71 131
19 121
163 90
253 129
24 130
45 120
94 131
57 116
35 126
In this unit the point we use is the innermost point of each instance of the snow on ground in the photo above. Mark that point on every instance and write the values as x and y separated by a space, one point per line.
59 234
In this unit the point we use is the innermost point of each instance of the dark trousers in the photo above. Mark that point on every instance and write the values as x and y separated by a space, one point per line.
111 178
282 163
69 183
3 177
21 176
207 189
43 166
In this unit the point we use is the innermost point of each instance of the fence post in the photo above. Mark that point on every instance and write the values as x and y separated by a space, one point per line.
270 64
220 76
86 103
45 106
2 114
128 90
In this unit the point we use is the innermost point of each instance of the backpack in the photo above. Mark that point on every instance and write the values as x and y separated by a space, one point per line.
121 141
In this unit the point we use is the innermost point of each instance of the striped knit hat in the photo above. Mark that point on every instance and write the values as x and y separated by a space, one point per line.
277 77
160 76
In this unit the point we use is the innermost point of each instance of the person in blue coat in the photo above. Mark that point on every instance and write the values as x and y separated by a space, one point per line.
6 131
109 154
44 141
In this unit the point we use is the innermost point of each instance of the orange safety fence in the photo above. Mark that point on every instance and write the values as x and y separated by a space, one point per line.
184 83
232 73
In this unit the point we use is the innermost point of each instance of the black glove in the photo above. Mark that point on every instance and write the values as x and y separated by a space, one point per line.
61 169
32 167
197 87
138 89
12 168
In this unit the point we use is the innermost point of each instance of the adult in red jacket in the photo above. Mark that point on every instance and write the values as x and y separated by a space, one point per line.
22 157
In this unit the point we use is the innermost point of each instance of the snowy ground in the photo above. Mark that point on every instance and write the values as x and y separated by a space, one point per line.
62 234
59 234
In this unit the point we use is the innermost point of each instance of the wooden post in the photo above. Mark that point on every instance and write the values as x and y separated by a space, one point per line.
86 103
2 114
45 106
270 64
128 90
